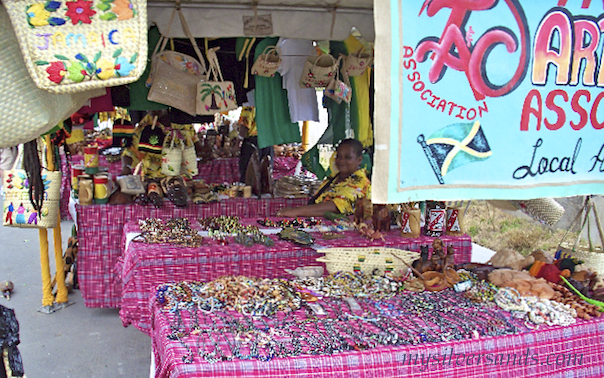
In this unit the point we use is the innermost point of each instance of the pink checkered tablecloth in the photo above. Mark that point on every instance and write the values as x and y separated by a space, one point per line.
100 229
222 170
284 166
572 351
142 266
145 266
218 171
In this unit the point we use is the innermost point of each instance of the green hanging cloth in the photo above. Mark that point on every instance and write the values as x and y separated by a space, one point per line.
272 107
310 161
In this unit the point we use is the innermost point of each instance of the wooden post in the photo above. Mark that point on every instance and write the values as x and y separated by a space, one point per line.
305 143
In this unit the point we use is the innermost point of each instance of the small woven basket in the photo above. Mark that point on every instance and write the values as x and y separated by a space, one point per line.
375 260
592 259
591 255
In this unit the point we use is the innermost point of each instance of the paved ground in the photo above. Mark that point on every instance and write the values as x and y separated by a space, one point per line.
76 341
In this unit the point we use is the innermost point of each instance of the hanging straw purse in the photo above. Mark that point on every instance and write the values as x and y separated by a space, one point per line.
174 76
318 71
171 154
189 160
268 62
18 209
591 255
132 184
215 96
356 63
74 46
339 90
28 111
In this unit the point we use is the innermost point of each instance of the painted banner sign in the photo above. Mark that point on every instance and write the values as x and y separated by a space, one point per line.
488 99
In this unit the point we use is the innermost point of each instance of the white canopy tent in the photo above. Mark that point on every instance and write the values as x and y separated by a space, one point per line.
304 19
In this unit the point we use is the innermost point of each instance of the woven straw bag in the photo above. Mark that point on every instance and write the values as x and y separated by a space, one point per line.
268 62
218 95
591 255
544 210
174 76
132 184
171 155
189 160
339 89
18 210
318 71
367 260
74 46
356 63
27 111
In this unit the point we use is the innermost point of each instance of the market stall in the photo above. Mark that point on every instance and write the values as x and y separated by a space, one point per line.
143 266
360 334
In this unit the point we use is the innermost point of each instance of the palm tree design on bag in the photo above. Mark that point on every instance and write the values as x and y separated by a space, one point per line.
208 89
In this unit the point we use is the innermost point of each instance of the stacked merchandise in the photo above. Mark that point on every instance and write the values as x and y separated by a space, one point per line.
296 186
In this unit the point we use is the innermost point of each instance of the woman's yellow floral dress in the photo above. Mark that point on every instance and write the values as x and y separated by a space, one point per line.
344 194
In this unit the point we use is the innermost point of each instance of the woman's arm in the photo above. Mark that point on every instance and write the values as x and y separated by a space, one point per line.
315 210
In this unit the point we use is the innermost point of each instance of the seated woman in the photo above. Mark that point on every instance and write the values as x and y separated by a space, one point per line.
341 190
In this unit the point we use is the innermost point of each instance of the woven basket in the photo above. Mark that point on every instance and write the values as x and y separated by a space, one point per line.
70 46
592 259
591 255
27 111
376 260
544 210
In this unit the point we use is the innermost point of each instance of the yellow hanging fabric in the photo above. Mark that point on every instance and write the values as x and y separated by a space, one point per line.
365 131
47 297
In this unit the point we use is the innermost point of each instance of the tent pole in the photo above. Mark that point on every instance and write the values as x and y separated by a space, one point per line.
305 136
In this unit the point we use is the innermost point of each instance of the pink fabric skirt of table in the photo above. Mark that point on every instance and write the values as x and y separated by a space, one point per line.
222 170
573 351
100 229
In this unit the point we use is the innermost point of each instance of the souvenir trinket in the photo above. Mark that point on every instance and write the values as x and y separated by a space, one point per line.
296 236
435 218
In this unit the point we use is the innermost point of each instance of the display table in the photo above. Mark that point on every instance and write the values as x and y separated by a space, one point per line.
100 229
218 171
144 266
572 351
223 170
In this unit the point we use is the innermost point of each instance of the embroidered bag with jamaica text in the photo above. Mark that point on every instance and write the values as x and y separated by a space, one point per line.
357 62
268 62
318 71
74 46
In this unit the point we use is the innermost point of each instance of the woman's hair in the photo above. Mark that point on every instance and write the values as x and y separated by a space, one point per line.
357 147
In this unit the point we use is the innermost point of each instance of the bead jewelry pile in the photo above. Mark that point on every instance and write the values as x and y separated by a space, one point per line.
173 231
298 222
248 318
219 228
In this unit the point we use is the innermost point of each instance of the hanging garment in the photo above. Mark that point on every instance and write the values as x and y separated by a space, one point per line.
9 339
272 108
302 101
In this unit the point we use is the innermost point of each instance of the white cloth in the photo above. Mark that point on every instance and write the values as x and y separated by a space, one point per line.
302 101
7 158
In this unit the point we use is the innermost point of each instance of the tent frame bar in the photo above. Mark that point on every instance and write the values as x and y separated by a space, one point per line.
168 4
